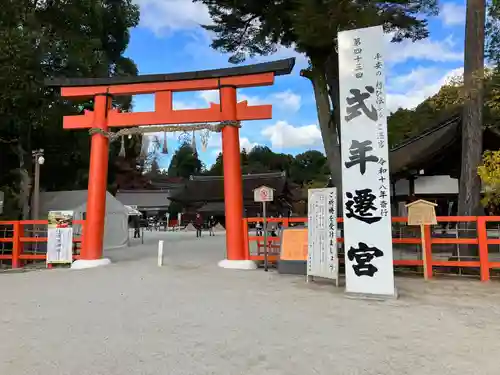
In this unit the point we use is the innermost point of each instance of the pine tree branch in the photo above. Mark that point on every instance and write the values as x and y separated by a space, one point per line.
9 141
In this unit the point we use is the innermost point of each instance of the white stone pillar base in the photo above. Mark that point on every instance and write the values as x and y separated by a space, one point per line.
238 264
82 264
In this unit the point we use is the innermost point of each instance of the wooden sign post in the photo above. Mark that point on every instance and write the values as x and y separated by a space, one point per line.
264 194
422 212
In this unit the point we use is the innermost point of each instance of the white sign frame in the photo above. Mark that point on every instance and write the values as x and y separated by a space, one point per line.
60 240
322 254
367 217
263 194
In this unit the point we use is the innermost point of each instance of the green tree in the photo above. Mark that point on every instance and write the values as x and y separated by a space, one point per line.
184 162
247 28
217 169
302 169
489 173
43 39
154 168
308 167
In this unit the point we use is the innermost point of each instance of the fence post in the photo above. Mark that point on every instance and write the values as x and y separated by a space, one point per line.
428 251
245 239
482 237
286 223
16 243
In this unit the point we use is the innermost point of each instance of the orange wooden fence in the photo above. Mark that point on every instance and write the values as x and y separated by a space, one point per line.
18 254
481 240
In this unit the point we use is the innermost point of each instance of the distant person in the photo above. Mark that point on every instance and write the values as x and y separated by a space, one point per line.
198 223
271 227
136 222
258 227
211 225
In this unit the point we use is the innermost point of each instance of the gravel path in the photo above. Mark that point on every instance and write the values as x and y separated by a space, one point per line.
191 318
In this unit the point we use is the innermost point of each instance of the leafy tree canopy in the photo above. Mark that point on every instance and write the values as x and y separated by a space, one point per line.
405 123
247 28
44 39
184 162
302 169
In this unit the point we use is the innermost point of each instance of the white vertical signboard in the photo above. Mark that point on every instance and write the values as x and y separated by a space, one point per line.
60 237
365 166
322 255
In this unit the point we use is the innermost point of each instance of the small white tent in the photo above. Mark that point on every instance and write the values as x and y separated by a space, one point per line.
132 211
116 222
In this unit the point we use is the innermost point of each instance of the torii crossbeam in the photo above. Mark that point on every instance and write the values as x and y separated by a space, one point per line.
227 81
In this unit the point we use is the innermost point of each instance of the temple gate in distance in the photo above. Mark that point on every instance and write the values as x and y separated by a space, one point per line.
229 112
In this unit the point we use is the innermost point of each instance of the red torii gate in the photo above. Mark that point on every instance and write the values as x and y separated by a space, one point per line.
163 86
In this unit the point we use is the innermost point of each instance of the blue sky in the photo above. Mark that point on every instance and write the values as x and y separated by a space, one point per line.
169 39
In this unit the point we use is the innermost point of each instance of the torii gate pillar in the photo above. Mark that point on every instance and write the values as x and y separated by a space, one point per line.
233 186
93 237
227 81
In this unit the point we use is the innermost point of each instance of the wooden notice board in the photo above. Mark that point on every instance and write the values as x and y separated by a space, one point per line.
294 244
422 212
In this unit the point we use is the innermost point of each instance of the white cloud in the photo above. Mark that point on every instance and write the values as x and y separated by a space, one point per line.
410 90
426 49
246 144
284 135
286 100
452 14
172 15
215 142
251 99
210 96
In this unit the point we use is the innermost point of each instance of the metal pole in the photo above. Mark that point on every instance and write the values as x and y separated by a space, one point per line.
36 191
264 224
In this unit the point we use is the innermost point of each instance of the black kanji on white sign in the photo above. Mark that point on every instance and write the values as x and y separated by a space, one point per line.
360 206
356 104
363 255
359 155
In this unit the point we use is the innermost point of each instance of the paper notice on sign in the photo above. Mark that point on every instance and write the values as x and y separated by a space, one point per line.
322 259
60 237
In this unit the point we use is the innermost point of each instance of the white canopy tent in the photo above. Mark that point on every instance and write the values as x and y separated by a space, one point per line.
131 211
116 221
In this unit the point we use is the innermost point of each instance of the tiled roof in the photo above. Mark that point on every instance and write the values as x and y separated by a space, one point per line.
211 188
144 198
423 148
438 144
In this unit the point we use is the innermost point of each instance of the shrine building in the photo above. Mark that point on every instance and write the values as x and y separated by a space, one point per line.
205 194
428 165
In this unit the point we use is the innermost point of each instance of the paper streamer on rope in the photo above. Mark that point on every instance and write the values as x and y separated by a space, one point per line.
193 144
204 137
165 147
144 147
122 148
184 136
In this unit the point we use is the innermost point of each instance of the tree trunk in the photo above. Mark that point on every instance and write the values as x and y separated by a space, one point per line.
24 182
472 121
327 126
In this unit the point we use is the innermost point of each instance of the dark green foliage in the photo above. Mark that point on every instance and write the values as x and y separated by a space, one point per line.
43 39
184 162
248 28
302 169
